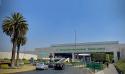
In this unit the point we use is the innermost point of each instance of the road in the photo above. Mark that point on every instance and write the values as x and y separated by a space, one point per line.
67 70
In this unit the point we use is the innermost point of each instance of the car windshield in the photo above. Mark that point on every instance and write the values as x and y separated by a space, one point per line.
43 63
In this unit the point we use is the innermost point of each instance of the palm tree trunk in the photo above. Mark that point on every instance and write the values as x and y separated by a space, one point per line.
17 57
13 54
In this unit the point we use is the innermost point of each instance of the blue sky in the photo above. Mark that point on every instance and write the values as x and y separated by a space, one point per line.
54 21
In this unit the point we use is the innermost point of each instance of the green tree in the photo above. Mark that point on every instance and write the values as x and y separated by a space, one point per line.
98 56
14 26
20 42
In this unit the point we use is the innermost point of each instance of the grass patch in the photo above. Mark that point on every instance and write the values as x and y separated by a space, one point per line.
4 66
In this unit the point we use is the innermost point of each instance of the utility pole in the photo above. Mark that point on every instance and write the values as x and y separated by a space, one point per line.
73 55
75 39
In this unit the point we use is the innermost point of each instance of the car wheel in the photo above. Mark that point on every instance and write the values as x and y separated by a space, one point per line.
62 67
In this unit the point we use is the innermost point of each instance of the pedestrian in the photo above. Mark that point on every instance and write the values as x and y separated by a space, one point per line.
107 64
112 61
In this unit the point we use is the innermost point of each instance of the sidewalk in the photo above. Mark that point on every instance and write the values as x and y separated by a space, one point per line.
21 69
110 70
83 68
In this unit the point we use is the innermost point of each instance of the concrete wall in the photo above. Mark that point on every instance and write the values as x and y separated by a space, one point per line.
67 48
21 56
122 51
123 54
86 47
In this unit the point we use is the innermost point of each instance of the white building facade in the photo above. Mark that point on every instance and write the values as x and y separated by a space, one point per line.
115 47
7 55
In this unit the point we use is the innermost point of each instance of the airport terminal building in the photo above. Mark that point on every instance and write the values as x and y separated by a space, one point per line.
82 49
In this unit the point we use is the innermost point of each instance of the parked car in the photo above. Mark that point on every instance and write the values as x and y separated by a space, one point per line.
59 66
41 66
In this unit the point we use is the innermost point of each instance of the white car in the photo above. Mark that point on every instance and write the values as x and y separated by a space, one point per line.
41 66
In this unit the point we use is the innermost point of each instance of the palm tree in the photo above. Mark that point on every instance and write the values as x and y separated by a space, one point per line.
20 42
14 26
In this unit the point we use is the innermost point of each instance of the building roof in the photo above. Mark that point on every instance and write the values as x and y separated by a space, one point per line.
87 43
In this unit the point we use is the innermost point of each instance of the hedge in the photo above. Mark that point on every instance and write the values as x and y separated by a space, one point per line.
120 65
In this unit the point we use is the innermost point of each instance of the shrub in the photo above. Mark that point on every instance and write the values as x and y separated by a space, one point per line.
23 59
100 57
6 58
4 66
121 65
26 61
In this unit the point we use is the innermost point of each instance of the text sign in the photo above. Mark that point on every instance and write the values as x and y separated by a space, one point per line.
82 50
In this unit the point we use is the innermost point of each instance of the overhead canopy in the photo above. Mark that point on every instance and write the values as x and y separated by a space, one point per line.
84 54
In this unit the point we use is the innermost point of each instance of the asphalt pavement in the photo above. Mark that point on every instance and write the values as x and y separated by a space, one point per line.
67 70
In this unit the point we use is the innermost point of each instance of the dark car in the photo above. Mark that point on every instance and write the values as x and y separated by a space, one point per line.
59 66
51 65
